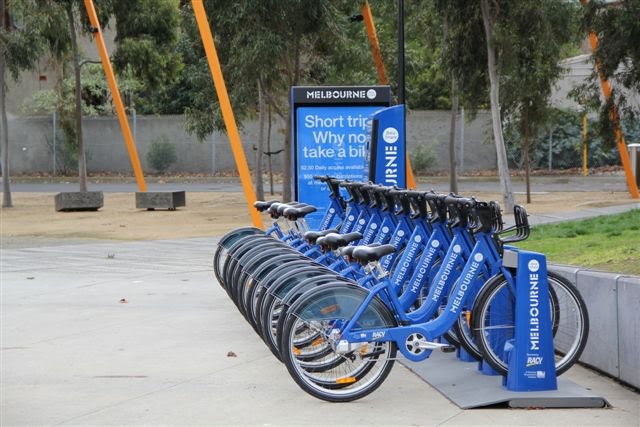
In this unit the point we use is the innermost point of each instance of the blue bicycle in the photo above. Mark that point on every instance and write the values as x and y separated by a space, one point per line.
355 333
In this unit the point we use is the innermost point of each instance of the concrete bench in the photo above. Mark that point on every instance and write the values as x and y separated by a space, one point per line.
152 200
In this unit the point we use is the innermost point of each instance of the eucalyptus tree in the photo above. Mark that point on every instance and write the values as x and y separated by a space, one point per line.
510 49
532 64
271 44
618 55
21 45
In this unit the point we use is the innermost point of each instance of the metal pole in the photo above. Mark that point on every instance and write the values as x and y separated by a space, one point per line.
54 143
550 146
213 154
400 51
615 119
135 119
461 139
226 110
115 94
585 166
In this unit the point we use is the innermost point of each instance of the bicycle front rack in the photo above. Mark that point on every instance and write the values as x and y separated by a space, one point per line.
521 227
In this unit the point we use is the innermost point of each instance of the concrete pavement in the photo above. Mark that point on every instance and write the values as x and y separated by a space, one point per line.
139 333
466 184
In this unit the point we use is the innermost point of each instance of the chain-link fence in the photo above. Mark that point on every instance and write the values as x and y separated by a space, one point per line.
570 142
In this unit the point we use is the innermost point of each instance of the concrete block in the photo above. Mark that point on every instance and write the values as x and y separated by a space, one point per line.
79 201
568 272
629 329
600 295
151 200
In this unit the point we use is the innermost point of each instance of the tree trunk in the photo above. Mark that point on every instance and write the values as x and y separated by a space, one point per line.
288 149
259 154
4 132
525 148
496 119
453 178
82 159
270 153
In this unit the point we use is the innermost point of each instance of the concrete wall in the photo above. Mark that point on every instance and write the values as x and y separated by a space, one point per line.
31 140
612 300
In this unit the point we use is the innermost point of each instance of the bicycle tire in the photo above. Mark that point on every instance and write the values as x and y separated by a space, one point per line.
252 261
571 332
271 305
236 252
225 243
363 370
466 336
230 259
253 275
264 290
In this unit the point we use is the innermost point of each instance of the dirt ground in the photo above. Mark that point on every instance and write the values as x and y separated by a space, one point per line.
205 214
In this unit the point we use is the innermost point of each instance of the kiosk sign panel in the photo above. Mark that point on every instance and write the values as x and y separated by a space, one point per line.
330 132
386 154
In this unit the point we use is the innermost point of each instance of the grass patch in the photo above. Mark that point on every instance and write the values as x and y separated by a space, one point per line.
610 243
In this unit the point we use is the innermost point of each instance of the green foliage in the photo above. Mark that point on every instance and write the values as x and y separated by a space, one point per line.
422 158
162 154
567 140
23 45
146 37
605 242
618 53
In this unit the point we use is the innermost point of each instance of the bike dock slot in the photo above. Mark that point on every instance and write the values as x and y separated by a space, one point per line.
531 380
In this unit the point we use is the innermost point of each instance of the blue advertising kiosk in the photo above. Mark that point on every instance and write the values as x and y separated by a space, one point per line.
387 148
331 128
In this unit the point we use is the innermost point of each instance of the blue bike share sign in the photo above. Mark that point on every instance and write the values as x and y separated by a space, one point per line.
331 127
386 151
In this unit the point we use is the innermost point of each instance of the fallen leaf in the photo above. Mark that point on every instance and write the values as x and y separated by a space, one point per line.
231 354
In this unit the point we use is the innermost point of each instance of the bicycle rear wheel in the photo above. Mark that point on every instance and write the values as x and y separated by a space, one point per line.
493 326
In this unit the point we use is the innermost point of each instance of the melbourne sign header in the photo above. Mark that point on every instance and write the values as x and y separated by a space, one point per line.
342 95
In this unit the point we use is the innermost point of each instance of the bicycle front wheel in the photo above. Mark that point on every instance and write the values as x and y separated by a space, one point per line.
493 321
346 375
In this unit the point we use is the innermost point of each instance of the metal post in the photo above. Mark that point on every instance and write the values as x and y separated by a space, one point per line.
400 51
115 94
54 142
135 121
615 119
461 139
550 147
226 110
585 166
213 154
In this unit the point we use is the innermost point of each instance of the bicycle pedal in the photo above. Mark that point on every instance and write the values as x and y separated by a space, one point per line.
448 349
430 345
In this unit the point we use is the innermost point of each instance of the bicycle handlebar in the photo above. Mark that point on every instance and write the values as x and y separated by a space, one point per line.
332 183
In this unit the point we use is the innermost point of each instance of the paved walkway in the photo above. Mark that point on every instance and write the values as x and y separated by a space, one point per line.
614 183
139 333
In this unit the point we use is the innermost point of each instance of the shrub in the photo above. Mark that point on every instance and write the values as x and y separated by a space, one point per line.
162 154
422 158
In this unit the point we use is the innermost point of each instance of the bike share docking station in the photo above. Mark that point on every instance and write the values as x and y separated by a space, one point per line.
531 380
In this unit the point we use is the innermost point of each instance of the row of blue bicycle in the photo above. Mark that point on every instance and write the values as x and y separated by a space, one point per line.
389 270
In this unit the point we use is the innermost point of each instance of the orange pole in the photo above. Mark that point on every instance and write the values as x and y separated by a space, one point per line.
373 41
227 111
115 93
615 119
382 73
